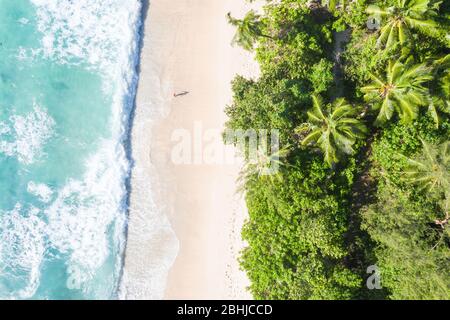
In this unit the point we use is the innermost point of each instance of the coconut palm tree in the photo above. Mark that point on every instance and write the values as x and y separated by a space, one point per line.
247 30
400 90
430 171
440 102
403 17
333 128
263 165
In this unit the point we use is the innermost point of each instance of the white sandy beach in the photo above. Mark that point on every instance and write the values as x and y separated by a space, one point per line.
186 48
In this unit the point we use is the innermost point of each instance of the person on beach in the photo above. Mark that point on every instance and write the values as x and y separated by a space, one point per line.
182 93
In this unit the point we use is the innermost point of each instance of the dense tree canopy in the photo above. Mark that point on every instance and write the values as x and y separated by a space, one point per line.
364 134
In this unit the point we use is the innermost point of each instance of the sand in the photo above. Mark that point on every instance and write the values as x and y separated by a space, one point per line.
185 211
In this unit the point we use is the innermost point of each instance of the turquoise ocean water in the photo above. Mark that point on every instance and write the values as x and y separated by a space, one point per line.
67 82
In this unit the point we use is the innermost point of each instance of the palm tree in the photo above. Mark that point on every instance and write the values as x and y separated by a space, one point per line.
430 171
333 128
263 165
440 102
248 30
401 90
404 16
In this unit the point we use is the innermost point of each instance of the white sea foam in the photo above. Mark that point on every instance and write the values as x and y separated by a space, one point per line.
23 21
88 33
76 224
40 190
22 247
100 35
30 133
85 208
4 128
152 244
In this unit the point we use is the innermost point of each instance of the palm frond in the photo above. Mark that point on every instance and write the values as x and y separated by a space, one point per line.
334 128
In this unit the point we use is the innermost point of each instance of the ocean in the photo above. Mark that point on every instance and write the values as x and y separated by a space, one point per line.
67 86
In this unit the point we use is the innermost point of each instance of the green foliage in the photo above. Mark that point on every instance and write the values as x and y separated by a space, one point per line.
403 17
362 58
267 105
295 237
297 44
313 230
400 90
400 140
247 30
321 76
430 170
430 173
413 250
333 128
440 100
352 15
412 254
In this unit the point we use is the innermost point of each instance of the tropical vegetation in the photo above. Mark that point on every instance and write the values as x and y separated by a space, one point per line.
359 93
334 129
401 90
402 17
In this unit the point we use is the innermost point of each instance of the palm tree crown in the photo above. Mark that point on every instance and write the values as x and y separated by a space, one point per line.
263 165
333 128
248 29
403 17
401 90
430 171
440 102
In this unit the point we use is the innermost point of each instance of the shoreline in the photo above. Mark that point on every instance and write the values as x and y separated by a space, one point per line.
185 46
151 245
